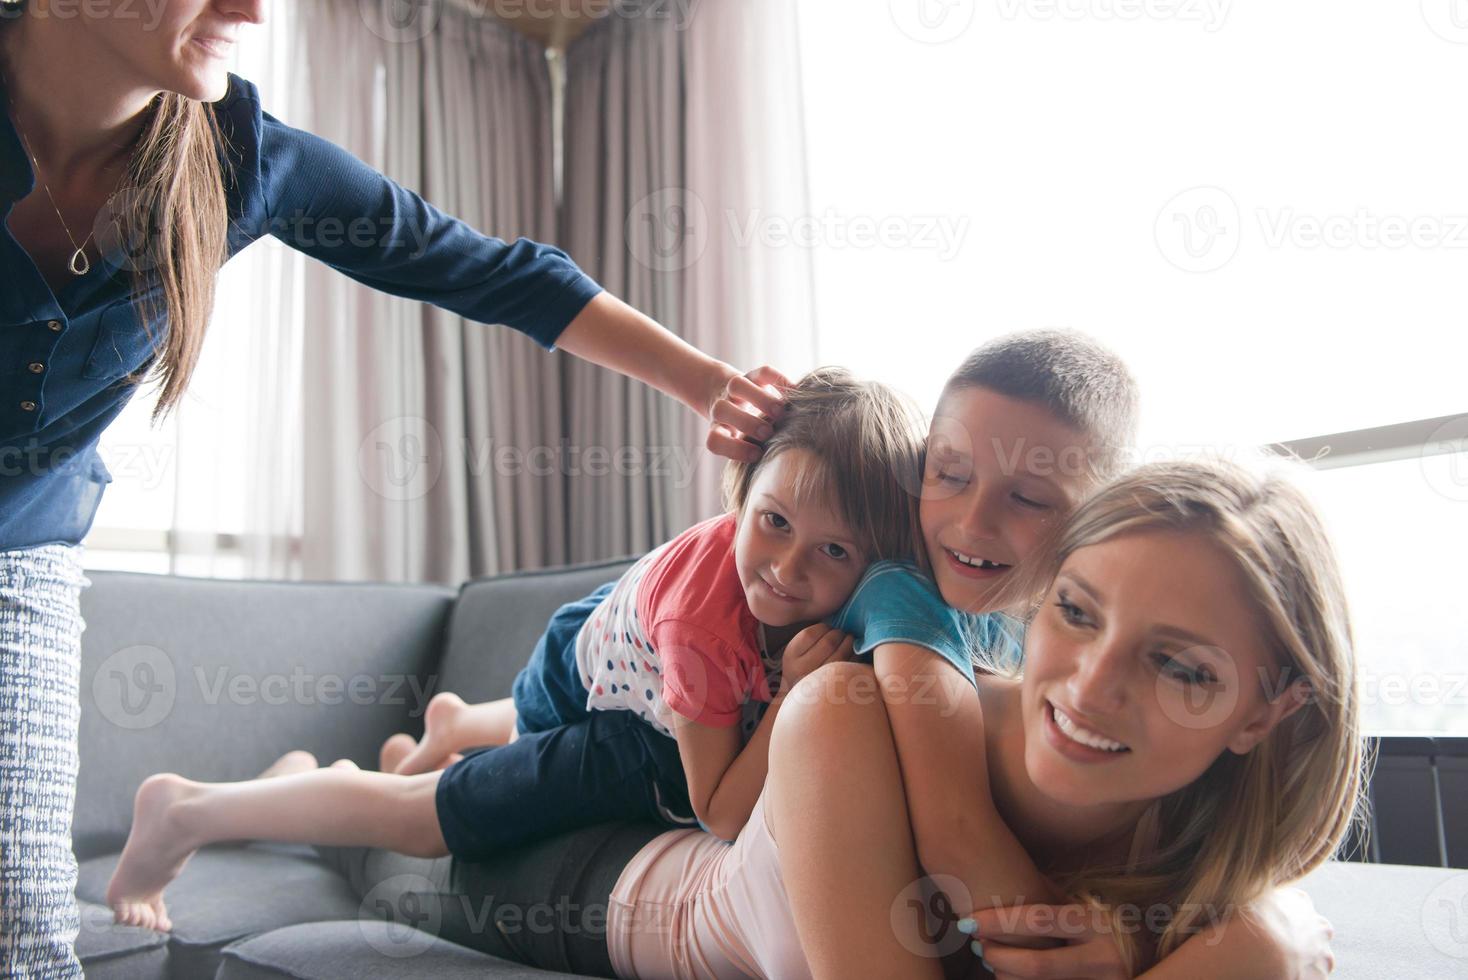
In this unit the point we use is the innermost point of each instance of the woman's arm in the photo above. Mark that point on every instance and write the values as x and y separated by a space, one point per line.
612 334
322 200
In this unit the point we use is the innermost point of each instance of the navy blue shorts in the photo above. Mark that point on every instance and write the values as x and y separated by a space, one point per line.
568 768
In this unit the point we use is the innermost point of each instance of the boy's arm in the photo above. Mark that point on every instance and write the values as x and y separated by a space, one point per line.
723 781
1279 936
938 729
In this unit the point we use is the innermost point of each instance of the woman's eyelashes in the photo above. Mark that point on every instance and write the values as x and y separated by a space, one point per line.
1167 664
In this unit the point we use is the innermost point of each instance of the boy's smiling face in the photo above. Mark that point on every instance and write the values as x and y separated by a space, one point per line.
999 474
796 558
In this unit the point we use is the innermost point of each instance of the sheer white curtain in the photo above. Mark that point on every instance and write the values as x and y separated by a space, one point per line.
684 145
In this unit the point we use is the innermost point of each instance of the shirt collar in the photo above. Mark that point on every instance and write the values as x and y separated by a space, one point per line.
17 179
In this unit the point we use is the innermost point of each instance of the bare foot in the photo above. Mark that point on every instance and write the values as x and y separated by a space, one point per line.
345 764
394 751
440 733
155 853
297 760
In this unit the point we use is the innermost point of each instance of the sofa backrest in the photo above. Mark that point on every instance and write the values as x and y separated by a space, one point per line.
215 679
496 622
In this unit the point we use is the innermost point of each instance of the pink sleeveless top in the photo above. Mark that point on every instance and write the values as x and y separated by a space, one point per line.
690 906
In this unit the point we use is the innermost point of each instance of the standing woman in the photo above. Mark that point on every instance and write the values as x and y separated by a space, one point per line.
120 116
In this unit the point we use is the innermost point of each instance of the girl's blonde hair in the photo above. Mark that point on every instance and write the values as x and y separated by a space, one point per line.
1251 821
865 440
172 218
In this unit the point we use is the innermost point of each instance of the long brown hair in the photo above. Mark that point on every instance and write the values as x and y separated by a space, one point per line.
171 213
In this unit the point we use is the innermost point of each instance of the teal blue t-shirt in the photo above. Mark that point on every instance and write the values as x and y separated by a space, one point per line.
895 602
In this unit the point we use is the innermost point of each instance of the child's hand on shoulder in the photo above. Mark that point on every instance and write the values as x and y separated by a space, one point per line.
812 648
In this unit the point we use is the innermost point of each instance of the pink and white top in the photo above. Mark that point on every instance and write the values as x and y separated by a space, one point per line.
676 634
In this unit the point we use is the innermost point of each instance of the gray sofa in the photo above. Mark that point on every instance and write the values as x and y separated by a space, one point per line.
215 679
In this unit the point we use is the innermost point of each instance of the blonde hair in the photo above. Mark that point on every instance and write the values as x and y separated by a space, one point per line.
174 222
866 442
1251 821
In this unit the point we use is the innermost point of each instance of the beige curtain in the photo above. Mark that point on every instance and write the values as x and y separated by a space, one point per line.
383 439
683 141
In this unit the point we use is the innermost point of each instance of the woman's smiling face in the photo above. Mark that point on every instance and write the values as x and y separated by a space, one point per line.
1145 663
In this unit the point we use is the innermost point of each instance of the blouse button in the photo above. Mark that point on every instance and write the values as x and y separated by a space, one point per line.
36 367
55 326
27 406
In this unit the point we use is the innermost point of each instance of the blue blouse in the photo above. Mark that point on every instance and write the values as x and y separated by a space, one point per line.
62 356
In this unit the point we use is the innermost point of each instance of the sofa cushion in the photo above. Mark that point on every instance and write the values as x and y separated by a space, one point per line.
365 949
215 679
231 892
1393 920
112 952
496 622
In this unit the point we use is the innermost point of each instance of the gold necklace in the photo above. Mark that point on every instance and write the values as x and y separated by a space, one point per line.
79 265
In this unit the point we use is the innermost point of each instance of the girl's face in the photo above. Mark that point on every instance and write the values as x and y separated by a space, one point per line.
999 473
165 45
797 559
1145 663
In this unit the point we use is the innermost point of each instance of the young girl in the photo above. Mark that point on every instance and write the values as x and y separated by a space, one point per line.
632 703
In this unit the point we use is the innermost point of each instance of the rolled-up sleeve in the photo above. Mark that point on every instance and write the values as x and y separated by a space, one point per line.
327 203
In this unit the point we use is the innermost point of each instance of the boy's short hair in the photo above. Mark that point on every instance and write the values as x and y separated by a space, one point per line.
1081 382
866 440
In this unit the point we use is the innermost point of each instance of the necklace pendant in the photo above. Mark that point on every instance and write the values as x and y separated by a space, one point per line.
80 264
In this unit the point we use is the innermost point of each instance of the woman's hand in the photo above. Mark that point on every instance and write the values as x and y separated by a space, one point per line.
1079 943
740 410
810 649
